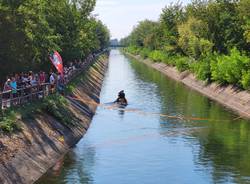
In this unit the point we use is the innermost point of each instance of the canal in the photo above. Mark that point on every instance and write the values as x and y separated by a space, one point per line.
145 143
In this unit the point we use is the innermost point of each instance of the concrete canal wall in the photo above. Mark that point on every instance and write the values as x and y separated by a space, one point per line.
229 96
25 156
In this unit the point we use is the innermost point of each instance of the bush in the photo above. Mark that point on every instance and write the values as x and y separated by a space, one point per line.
245 81
202 68
157 56
8 122
133 50
229 69
144 53
182 63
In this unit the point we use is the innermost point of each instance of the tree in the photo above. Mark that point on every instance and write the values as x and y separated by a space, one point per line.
244 14
29 29
193 38
171 16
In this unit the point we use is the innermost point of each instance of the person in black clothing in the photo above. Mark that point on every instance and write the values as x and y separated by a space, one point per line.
121 98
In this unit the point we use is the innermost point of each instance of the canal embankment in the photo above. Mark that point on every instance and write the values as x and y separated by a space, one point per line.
43 140
229 96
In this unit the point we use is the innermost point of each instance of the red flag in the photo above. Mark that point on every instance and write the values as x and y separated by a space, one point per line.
56 60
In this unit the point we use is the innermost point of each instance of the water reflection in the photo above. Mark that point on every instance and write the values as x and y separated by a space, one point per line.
137 145
223 146
75 168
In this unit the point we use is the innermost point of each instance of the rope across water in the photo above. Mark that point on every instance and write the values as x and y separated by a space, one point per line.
113 106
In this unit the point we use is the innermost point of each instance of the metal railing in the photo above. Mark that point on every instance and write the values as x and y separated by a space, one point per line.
28 94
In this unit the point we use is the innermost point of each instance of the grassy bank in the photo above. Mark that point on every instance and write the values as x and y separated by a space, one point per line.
54 105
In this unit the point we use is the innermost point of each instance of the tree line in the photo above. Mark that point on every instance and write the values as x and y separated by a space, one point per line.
30 29
210 38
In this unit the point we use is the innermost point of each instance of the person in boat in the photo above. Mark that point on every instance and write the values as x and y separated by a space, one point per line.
121 98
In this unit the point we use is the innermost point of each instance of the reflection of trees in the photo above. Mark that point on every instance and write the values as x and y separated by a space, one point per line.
76 168
224 146
226 149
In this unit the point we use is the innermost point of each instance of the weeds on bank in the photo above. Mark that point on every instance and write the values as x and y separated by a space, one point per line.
55 105
8 122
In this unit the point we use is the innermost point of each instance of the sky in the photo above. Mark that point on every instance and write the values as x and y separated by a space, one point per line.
122 15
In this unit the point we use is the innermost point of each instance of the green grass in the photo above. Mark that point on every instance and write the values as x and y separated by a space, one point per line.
54 105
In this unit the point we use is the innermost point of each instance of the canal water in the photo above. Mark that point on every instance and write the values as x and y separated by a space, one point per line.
138 145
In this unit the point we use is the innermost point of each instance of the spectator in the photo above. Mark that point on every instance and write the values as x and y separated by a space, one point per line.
52 82
13 85
34 80
6 90
52 78
27 80
42 78
60 83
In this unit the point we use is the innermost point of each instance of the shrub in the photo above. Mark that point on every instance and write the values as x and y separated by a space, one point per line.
245 81
8 122
182 63
229 69
157 56
202 68
144 53
170 60
133 50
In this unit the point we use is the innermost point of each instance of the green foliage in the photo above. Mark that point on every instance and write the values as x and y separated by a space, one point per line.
157 56
243 10
8 123
133 50
56 106
229 68
144 53
144 35
170 18
245 81
193 38
202 69
182 63
209 38
30 29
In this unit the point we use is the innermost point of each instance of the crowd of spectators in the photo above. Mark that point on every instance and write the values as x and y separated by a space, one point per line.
31 82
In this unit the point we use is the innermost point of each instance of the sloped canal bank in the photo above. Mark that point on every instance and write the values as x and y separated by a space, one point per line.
45 136
142 144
